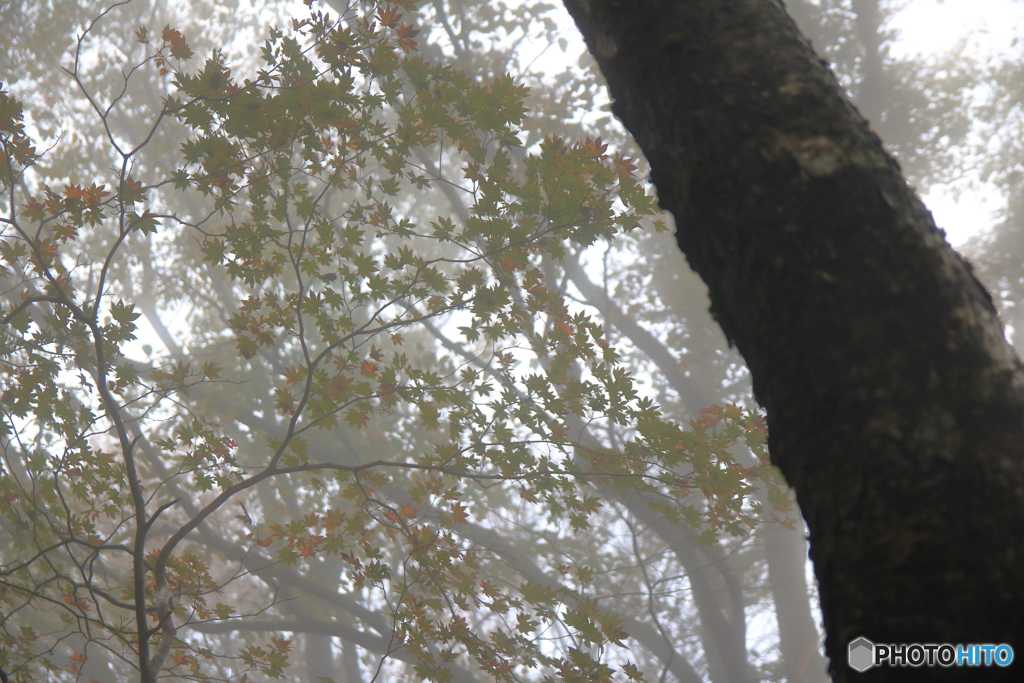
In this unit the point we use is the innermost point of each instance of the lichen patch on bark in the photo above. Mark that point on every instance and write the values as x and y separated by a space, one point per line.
821 156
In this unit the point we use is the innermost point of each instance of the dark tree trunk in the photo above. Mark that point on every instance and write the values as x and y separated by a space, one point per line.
895 405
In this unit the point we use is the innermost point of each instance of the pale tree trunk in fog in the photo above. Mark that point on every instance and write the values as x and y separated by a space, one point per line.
871 95
798 636
785 549
895 404
319 658
350 662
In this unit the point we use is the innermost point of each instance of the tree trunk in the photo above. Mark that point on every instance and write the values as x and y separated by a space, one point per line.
319 657
871 89
798 636
894 403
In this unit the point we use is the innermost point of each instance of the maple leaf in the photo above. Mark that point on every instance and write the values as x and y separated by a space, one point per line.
389 17
459 514
356 418
405 37
179 48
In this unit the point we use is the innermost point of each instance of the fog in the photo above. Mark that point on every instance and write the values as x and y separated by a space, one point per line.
405 378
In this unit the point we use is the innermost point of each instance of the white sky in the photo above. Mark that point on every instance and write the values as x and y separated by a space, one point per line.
989 28
928 26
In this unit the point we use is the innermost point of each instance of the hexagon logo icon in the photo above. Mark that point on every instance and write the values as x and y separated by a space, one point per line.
861 655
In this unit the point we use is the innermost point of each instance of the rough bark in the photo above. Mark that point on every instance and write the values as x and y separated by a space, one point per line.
894 403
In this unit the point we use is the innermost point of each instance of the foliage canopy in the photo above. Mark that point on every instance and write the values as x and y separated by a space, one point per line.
398 409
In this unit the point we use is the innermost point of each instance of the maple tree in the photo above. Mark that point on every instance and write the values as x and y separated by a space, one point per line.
305 431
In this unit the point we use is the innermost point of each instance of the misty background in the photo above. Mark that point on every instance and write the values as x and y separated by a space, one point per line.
945 93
